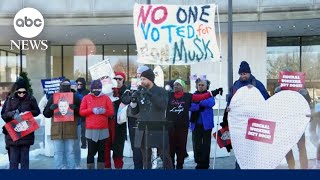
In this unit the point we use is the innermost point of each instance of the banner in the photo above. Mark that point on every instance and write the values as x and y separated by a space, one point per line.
264 131
101 69
63 113
18 130
51 86
159 76
175 34
291 80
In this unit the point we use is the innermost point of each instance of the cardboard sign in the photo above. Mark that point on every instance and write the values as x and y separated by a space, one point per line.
281 120
51 86
18 130
63 113
291 80
175 34
101 69
260 130
223 138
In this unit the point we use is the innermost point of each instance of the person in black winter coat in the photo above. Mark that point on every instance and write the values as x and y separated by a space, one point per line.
81 89
19 102
151 102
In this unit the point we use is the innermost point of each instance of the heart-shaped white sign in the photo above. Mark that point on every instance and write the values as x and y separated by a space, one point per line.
263 131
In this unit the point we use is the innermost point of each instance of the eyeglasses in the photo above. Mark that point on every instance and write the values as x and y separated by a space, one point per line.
22 92
118 79
80 84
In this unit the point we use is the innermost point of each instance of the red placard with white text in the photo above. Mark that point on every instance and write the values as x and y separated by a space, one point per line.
223 138
291 80
63 113
18 130
260 130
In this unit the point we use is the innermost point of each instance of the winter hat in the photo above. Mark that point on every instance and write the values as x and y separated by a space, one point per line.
244 67
180 82
142 68
73 83
149 74
96 84
21 84
121 74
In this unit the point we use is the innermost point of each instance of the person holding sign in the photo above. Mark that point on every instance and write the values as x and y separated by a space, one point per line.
19 102
63 133
245 79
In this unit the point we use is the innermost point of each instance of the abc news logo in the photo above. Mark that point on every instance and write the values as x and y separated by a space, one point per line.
29 23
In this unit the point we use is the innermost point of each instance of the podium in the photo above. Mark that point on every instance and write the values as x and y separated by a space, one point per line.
147 126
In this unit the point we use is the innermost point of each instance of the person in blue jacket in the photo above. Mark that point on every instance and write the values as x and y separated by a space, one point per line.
201 124
245 79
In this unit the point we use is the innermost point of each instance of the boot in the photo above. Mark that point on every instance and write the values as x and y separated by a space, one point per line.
100 165
90 166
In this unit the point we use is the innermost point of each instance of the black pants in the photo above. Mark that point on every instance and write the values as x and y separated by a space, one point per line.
164 154
83 133
201 140
19 154
93 148
137 155
178 142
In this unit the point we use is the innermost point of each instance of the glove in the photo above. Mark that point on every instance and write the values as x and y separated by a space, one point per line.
12 113
101 110
134 97
53 106
72 106
217 91
17 117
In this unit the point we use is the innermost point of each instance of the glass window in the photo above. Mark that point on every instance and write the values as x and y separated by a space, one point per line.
310 55
282 53
133 64
55 61
117 55
94 57
74 66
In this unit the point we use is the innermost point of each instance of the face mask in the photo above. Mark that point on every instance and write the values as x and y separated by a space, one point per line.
96 93
65 88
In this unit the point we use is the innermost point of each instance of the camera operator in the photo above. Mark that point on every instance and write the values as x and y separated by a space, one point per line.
151 101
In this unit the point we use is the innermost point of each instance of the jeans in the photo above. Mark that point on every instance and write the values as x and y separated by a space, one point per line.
64 149
19 154
77 150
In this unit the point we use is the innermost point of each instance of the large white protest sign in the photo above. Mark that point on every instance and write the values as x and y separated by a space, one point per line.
263 131
101 69
175 34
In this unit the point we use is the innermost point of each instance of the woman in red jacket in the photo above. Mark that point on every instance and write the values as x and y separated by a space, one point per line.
96 107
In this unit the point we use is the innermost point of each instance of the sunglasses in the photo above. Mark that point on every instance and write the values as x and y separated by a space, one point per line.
80 84
22 92
118 79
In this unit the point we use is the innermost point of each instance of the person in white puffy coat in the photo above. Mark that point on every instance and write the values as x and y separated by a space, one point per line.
48 143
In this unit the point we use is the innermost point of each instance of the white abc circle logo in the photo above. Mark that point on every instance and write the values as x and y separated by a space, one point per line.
28 22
